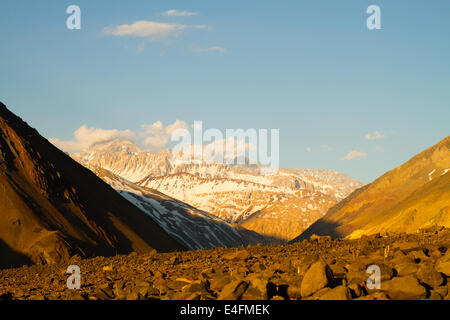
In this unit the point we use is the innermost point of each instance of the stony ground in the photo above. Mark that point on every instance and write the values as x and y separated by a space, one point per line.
412 267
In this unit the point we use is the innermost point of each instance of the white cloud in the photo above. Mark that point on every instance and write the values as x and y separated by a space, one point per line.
156 136
210 49
178 13
150 29
308 149
374 136
86 136
216 151
354 155
152 137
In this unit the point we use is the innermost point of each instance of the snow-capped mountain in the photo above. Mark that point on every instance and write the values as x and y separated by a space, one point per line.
193 228
279 205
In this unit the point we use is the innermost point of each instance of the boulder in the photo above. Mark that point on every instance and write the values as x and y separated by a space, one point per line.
338 293
435 296
418 256
257 289
318 276
378 295
443 264
233 290
406 269
429 276
355 289
318 294
404 288
237 255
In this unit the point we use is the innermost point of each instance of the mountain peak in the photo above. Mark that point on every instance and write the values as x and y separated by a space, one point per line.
113 146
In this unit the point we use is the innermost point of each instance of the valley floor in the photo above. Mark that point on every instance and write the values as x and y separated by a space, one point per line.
412 267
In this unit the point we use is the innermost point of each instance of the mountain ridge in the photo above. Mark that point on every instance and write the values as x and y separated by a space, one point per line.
231 192
51 207
379 205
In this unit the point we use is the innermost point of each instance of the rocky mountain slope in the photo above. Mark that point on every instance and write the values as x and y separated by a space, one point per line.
193 228
51 207
413 196
412 267
293 198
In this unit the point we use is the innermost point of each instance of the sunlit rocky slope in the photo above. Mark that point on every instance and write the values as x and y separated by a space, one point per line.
413 196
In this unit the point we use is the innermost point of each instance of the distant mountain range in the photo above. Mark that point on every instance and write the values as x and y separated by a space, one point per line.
413 196
193 228
279 206
52 208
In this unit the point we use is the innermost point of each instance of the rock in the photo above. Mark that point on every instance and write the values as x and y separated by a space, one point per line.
338 293
320 239
435 296
279 267
378 295
118 290
257 290
318 294
355 289
386 272
442 291
443 264
317 277
356 272
174 260
208 273
6 296
406 269
294 291
233 290
242 271
418 256
404 288
219 282
241 255
407 246
194 291
258 267
105 292
196 287
433 253
429 276
140 290
107 268
400 257
338 269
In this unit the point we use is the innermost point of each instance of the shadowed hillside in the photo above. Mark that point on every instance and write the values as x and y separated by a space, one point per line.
51 207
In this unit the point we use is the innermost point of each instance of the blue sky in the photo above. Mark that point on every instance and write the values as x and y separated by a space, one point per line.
309 68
